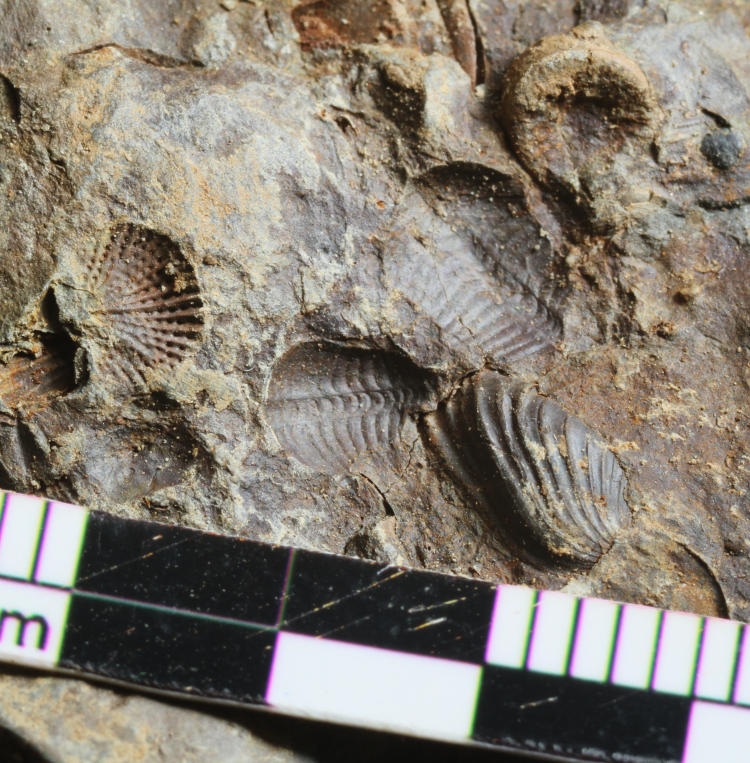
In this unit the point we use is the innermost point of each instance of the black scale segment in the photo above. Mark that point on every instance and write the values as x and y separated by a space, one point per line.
388 607
182 569
565 716
168 651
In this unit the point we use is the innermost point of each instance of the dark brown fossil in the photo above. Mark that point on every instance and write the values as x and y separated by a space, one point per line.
333 407
571 99
144 309
466 45
556 489
30 384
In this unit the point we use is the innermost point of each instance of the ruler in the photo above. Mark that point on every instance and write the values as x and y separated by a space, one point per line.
173 610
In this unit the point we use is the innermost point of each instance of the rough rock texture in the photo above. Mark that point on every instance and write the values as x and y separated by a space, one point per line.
348 212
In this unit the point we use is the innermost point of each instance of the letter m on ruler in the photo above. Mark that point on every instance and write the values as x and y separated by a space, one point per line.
24 622
39 547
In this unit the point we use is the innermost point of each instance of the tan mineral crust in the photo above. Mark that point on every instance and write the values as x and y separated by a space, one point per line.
456 285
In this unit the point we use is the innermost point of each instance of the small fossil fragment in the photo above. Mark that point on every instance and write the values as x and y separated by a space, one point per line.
572 98
144 308
335 23
458 22
31 384
553 484
332 407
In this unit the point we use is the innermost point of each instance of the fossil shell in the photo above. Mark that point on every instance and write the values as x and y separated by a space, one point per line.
145 304
573 96
553 484
471 310
333 407
468 257
31 384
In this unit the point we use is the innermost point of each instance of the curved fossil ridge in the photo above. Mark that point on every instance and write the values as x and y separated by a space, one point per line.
145 307
555 485
332 407
463 259
571 97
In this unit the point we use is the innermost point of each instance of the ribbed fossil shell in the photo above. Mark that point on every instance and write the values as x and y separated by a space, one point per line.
473 310
469 258
552 483
145 302
333 407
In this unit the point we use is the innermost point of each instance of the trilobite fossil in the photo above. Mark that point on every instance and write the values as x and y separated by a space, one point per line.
332 407
553 484
142 305
465 271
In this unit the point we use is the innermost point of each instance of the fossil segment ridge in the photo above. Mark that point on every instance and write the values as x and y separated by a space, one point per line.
553 484
452 289
334 407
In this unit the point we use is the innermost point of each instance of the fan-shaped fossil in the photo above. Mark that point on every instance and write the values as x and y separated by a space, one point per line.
144 304
332 407
553 483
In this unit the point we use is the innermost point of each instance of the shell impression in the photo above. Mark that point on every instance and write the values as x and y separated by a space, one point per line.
145 308
552 482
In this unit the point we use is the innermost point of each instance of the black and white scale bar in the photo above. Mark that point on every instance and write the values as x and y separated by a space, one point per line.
174 610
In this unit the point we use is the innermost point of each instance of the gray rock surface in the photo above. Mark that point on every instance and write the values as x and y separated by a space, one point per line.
374 207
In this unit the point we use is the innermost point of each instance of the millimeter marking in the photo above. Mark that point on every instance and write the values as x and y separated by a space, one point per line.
334 638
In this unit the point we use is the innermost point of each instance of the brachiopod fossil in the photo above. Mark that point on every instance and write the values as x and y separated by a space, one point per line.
143 307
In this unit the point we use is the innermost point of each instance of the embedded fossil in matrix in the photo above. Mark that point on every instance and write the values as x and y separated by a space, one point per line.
334 407
457 276
554 484
571 97
454 284
442 277
143 305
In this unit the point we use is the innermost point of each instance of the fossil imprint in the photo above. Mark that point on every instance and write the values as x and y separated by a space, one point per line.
146 302
333 407
556 488
137 304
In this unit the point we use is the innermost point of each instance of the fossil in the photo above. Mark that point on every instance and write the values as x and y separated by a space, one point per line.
553 484
458 295
333 407
144 307
466 272
464 41
31 384
571 98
